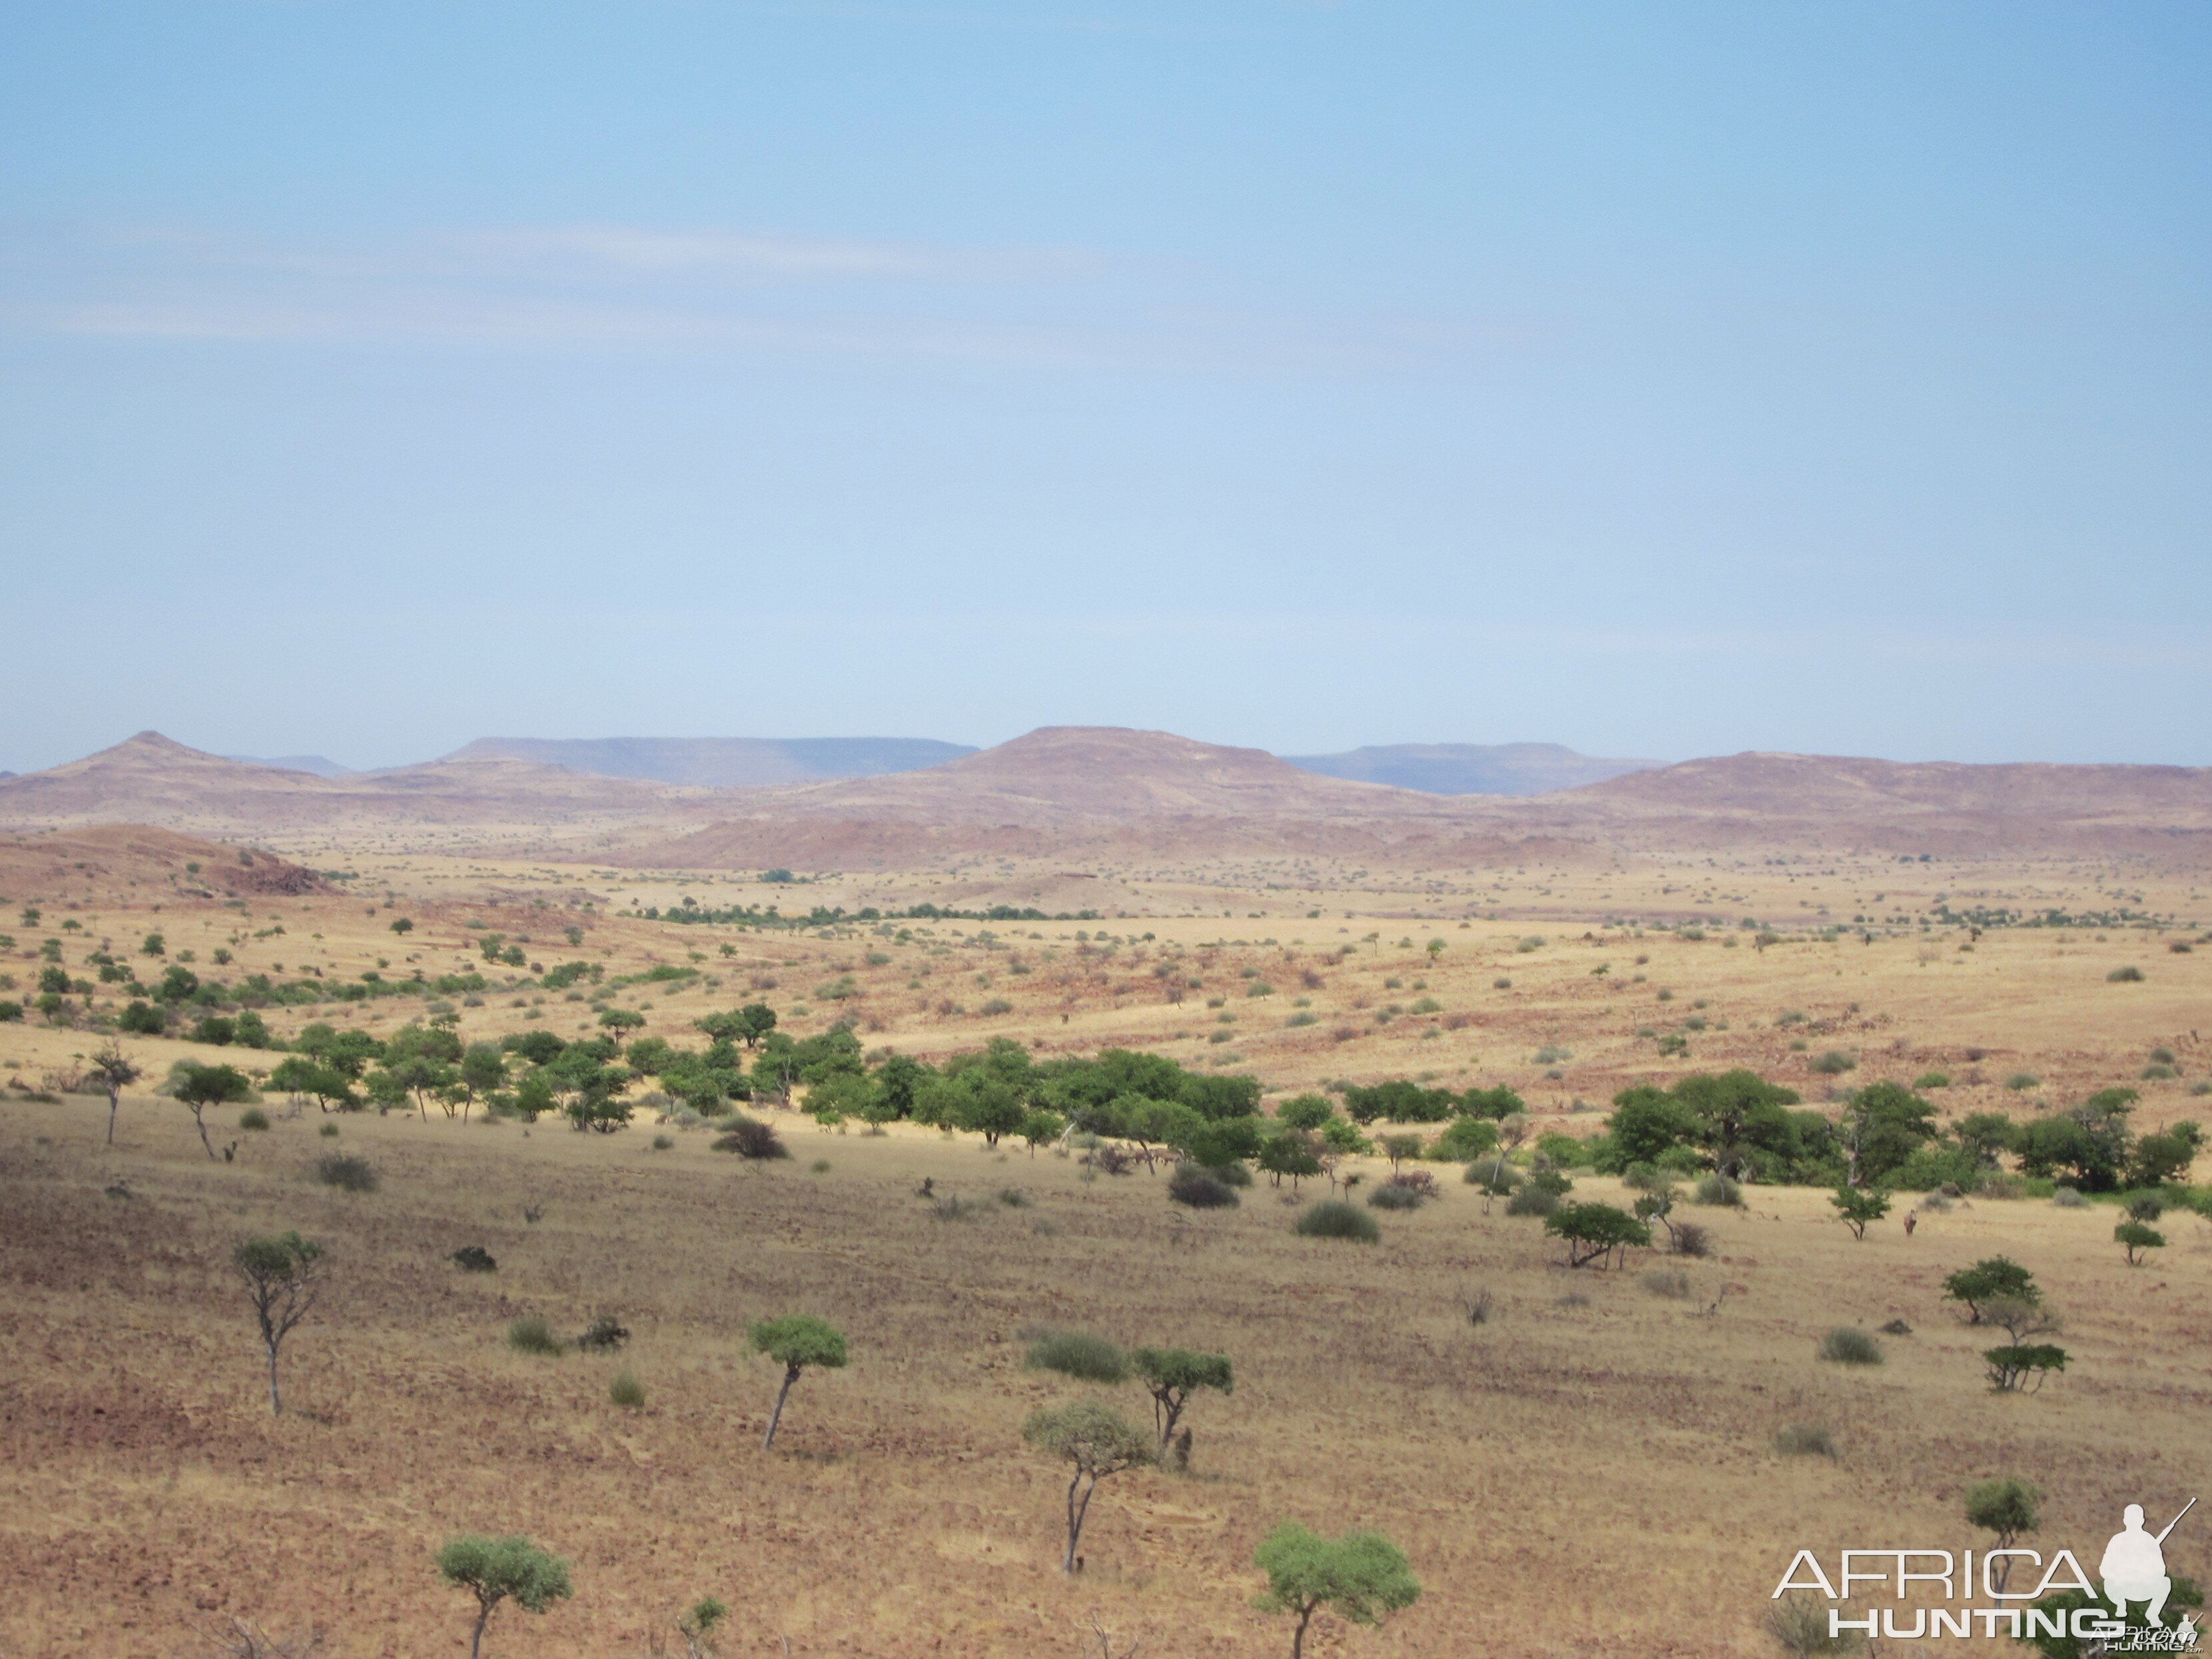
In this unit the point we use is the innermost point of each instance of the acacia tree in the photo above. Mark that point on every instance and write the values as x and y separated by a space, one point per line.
114 1071
1171 1375
796 1341
283 1275
2136 1237
1398 1148
2009 1509
2020 1365
1595 1231
1855 1209
1992 1278
198 1087
1363 1576
1097 1441
493 1569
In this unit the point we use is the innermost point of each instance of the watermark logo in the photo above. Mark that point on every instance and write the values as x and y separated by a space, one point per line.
2131 1572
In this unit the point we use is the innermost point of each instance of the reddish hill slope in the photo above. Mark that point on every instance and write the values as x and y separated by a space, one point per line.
151 779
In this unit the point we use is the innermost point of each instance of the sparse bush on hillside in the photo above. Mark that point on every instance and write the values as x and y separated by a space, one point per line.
1667 1282
605 1333
2125 976
749 1137
1337 1219
1716 1188
346 1171
626 1391
1804 1440
532 1335
1799 1624
253 1120
1533 1201
1690 1239
1200 1189
1078 1354
474 1259
1847 1345
1834 1063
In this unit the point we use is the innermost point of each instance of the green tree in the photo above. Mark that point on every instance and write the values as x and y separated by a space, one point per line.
1595 1231
1171 1375
401 925
1362 1576
619 1020
748 1024
1884 1125
283 1275
1985 1134
1988 1281
197 1087
494 1569
483 1070
1290 1153
1398 1148
1095 1440
114 1071
1041 1125
2136 1237
795 1341
1306 1112
2010 1510
1855 1208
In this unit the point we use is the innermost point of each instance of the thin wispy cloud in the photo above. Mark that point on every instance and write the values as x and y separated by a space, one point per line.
607 286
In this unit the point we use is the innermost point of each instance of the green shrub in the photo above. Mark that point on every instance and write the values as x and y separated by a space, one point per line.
1717 1188
474 1259
329 1131
1835 1063
2125 976
1391 1196
1847 1345
1804 1440
1493 1175
2070 1198
253 1119
532 1335
662 1143
2021 1082
749 1137
1533 1201
346 1171
1932 1080
626 1391
1201 1189
1665 1281
1337 1219
1078 1354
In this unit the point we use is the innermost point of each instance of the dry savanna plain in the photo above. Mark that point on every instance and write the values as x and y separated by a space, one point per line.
1591 1470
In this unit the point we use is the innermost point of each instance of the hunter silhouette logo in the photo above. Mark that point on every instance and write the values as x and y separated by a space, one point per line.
2131 1572
2134 1567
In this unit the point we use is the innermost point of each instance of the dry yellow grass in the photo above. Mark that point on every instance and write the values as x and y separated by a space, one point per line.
1587 1479
1593 1477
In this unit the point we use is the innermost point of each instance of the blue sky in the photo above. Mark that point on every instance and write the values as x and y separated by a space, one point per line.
1660 380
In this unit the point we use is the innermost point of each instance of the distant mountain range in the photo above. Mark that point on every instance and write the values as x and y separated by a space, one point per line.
1090 793
1471 769
720 762
319 766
